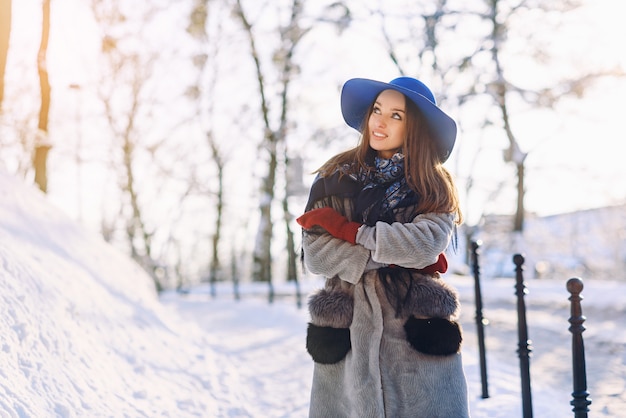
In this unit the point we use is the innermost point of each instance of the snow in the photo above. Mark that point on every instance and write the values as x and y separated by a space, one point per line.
84 334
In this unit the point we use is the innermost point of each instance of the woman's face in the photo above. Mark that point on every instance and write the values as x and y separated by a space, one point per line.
387 123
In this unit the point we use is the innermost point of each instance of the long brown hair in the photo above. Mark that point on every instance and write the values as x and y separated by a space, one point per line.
424 172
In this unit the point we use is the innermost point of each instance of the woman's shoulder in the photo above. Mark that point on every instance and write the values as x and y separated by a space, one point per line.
337 184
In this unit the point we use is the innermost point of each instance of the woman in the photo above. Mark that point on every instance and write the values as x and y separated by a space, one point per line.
379 218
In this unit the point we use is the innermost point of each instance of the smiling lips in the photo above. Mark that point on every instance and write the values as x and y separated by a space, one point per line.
378 135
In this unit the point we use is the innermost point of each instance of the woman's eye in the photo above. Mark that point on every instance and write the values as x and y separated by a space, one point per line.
376 110
396 116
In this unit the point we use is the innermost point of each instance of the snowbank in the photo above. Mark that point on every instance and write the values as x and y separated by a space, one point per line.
83 331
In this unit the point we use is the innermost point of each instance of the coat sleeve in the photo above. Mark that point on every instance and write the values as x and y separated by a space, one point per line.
330 257
413 245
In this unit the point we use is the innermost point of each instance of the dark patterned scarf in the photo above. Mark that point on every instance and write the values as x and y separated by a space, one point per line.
375 192
384 189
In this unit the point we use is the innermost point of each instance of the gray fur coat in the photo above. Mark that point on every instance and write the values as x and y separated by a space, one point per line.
365 365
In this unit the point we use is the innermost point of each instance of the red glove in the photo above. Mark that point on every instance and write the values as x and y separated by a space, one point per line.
332 221
441 266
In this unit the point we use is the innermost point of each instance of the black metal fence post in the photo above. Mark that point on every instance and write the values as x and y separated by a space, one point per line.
580 394
480 320
525 348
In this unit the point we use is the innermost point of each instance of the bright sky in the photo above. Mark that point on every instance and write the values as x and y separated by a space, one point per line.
575 161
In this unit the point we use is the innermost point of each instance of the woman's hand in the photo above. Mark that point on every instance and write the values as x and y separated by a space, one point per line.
441 266
332 221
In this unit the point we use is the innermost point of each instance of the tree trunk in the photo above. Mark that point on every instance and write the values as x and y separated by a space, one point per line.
514 154
262 259
42 145
219 206
290 35
262 256
135 224
519 213
292 256
5 36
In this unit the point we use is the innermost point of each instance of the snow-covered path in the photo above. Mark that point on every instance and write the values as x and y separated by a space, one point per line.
264 365
269 372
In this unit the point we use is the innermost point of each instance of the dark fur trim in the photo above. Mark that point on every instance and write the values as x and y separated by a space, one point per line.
327 345
432 297
435 336
331 308
418 294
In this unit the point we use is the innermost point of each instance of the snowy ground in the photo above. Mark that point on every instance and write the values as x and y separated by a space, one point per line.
84 335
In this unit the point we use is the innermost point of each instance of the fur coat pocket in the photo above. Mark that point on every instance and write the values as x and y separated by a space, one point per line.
434 336
430 328
328 333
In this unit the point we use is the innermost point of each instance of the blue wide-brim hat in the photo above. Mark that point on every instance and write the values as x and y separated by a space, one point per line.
359 93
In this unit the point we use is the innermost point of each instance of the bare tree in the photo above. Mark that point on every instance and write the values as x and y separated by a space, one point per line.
275 132
206 62
503 90
214 266
5 37
262 258
42 144
16 139
127 74
499 88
